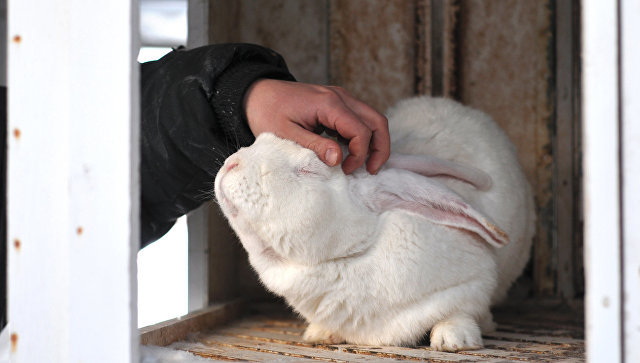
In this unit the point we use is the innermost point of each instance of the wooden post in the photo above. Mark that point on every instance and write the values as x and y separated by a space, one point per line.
566 176
73 199
197 220
630 139
601 180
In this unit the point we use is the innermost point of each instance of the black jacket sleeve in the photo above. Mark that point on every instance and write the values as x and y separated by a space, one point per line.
191 120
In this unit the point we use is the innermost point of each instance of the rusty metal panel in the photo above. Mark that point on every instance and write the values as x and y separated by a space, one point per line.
504 69
372 49
297 29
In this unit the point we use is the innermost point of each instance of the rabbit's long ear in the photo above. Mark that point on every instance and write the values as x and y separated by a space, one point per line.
431 166
400 189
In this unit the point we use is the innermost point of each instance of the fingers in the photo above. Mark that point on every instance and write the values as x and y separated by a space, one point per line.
293 110
377 144
336 115
327 150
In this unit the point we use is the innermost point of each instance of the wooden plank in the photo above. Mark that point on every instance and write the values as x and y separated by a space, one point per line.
287 349
295 338
422 56
435 59
374 60
504 70
197 220
73 182
232 352
224 259
630 137
276 334
198 258
600 107
173 330
540 350
499 345
197 23
343 352
297 29
533 338
567 178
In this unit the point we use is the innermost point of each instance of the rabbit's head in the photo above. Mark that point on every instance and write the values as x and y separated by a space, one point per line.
284 202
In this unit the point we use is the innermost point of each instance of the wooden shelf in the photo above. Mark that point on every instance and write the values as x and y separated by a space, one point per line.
530 331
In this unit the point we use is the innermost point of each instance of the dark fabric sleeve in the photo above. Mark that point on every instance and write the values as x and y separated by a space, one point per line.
191 120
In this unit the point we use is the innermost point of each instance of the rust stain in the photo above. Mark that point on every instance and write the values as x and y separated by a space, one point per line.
16 244
17 133
14 342
17 39
79 231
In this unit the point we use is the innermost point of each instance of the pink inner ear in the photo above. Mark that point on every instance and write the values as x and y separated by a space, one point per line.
431 166
453 214
394 189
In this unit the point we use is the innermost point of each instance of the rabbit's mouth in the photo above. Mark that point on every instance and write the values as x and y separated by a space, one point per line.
227 206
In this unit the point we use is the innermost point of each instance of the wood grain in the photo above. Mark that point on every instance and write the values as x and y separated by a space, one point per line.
374 60
169 331
504 69
530 331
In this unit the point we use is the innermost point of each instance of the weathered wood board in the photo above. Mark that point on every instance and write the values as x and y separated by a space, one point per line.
505 70
534 331
297 29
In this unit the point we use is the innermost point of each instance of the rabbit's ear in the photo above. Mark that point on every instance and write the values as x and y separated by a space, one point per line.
431 166
399 189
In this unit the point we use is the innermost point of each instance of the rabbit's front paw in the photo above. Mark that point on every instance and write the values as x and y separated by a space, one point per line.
455 334
317 334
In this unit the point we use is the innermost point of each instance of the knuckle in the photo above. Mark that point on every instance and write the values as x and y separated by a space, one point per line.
315 145
338 89
383 121
330 97
367 133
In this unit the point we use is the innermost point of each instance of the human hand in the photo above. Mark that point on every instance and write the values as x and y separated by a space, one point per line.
294 111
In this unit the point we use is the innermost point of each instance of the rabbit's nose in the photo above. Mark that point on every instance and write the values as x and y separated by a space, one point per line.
231 166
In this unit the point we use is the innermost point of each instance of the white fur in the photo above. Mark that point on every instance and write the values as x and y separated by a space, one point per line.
155 354
383 259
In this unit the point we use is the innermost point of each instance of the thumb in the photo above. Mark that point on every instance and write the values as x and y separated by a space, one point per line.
327 150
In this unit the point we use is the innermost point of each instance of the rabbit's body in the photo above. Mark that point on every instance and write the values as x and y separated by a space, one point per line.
393 292
450 131
382 259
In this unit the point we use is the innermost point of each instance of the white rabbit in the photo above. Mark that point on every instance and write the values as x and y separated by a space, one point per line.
383 259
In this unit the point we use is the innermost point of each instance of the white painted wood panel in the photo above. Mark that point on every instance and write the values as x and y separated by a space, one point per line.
197 23
601 180
630 63
73 180
197 220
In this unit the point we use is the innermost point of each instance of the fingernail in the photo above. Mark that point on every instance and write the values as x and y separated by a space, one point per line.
331 156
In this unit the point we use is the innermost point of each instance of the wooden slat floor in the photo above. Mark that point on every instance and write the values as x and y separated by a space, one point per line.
530 332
